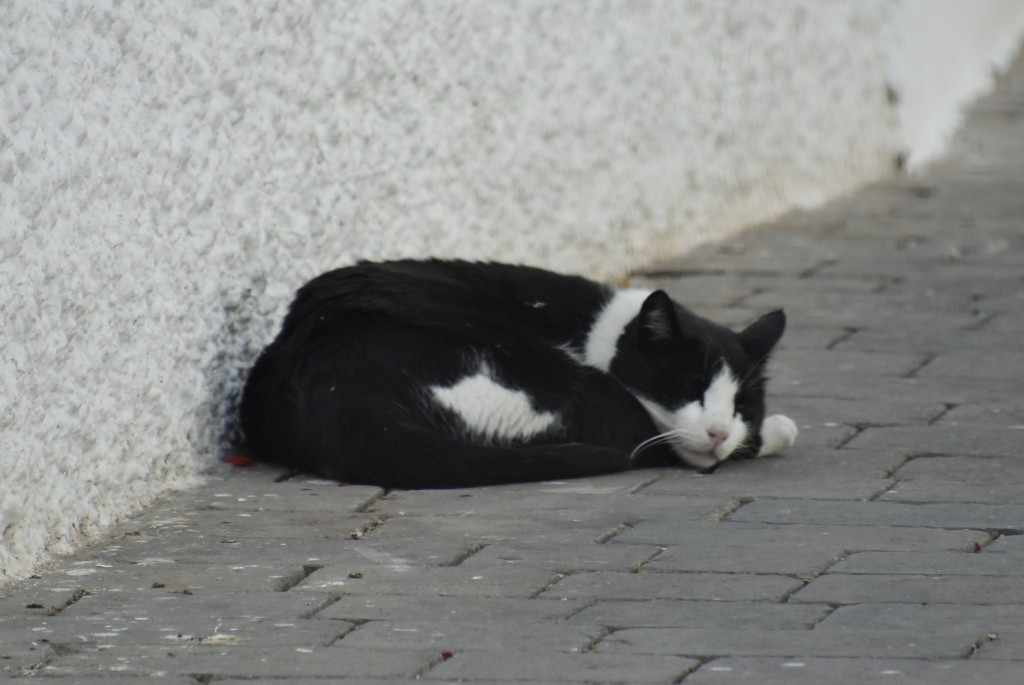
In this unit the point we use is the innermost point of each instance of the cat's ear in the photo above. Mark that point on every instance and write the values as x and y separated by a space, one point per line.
657 321
760 337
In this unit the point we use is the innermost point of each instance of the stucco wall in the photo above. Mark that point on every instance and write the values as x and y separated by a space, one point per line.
171 171
944 55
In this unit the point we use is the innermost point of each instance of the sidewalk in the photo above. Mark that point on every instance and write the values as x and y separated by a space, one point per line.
885 548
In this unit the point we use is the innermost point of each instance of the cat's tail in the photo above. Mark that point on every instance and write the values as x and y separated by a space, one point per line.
431 460
408 458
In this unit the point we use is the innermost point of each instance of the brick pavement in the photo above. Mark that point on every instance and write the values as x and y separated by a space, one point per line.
885 548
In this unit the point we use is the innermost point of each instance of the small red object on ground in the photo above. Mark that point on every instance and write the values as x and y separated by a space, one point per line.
238 460
446 655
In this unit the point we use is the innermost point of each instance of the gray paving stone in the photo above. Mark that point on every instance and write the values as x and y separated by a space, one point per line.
116 628
837 244
178 577
868 671
812 474
611 495
267 523
833 513
880 229
357 680
955 337
846 386
563 558
1006 326
941 439
428 581
930 563
983 619
907 325
916 242
875 203
21 657
358 608
1012 543
702 614
600 585
963 390
1001 415
959 479
160 605
916 248
833 411
852 589
803 550
980 369
838 364
883 311
700 642
214 546
1007 646
38 597
989 293
466 636
589 667
924 270
555 526
830 371
257 488
731 289
713 259
1007 303
129 680
957 195
237 661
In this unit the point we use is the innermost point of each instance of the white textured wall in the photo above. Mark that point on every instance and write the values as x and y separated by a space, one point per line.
171 171
945 55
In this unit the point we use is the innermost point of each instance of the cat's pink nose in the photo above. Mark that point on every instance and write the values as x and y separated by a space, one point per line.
717 435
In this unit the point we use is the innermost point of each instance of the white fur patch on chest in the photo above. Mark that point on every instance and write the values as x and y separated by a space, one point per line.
491 410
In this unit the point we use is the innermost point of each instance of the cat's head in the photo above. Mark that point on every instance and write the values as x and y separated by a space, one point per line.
702 384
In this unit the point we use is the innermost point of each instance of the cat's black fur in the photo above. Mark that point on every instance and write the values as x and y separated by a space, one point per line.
342 390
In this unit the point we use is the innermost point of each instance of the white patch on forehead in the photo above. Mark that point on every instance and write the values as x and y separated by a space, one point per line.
720 397
604 334
490 409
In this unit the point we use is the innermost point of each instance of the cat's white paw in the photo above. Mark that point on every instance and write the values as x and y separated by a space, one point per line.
778 433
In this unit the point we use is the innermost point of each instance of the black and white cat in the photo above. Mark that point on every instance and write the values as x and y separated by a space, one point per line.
413 374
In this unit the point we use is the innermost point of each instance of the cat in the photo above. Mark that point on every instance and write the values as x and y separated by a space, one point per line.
438 374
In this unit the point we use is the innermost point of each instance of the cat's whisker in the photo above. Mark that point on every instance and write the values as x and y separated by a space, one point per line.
752 375
659 439
679 436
